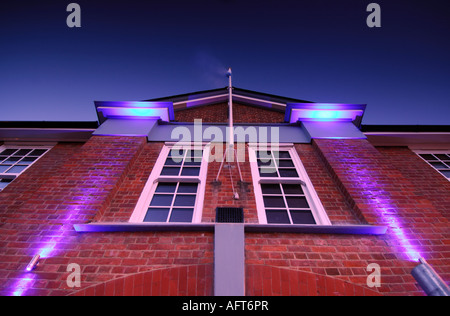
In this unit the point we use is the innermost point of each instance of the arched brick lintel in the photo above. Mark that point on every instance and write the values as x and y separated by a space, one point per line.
194 280
273 281
197 280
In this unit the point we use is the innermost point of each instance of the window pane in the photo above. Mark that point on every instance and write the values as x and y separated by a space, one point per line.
270 188
274 201
277 217
266 163
169 171
442 156
297 202
168 187
28 160
162 200
176 153
196 162
446 173
292 189
194 154
427 157
173 162
289 173
17 169
182 215
185 200
187 188
4 183
438 165
263 154
156 215
8 152
38 152
302 217
3 168
268 172
23 152
12 160
283 154
285 163
190 171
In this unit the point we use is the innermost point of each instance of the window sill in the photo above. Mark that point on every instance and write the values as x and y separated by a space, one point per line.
249 228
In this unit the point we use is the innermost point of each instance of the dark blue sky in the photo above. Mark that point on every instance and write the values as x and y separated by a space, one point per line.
319 50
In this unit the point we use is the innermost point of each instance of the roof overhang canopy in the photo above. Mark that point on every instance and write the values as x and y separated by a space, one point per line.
324 112
134 110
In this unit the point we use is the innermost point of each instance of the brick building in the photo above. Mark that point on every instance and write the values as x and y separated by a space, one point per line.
143 203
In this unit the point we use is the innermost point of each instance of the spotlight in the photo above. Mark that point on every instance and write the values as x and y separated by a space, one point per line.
429 280
33 263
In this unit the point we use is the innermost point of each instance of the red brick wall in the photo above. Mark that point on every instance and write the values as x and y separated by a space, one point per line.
124 200
218 195
103 179
273 281
358 183
76 183
382 189
423 179
221 194
194 280
334 202
218 113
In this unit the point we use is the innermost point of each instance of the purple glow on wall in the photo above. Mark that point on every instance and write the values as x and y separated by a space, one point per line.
23 284
52 242
80 203
389 216
386 209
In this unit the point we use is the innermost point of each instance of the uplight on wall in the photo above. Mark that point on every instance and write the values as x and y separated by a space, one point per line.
429 280
33 263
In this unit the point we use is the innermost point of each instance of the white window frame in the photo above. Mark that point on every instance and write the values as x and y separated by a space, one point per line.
317 209
431 152
155 178
14 176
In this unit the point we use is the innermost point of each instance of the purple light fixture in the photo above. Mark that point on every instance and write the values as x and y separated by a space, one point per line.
134 110
33 263
324 112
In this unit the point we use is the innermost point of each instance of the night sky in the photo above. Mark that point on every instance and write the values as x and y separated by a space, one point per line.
321 51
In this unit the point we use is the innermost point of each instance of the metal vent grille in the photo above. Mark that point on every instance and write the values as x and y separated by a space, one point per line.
229 215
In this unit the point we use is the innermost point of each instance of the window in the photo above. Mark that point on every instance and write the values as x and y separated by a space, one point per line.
284 193
175 190
16 159
439 160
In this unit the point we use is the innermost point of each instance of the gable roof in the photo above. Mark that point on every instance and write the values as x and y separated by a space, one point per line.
243 96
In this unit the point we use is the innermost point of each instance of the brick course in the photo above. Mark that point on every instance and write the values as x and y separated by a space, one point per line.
102 180
76 184
382 191
218 113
